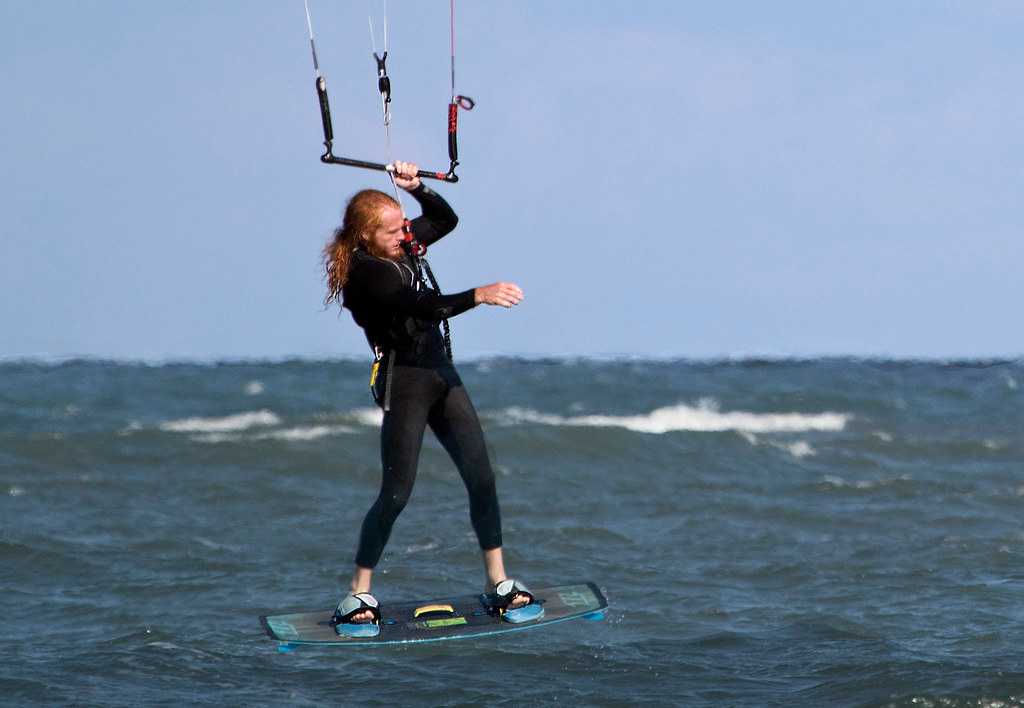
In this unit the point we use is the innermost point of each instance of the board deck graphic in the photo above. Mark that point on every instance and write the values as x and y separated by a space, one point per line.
435 620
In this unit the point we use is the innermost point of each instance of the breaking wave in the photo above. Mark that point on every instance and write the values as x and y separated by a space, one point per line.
702 418
225 424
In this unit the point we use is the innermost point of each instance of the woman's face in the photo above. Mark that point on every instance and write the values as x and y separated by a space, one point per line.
386 241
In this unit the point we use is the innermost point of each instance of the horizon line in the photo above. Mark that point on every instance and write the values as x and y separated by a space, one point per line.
742 357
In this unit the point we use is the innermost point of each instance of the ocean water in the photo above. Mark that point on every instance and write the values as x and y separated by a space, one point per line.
832 532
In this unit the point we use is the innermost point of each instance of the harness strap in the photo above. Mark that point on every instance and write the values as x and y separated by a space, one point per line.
445 328
417 251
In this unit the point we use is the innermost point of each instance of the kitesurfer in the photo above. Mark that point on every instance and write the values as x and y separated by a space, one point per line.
371 272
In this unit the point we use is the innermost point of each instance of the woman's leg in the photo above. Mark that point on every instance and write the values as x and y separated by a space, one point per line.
494 568
455 423
413 391
453 419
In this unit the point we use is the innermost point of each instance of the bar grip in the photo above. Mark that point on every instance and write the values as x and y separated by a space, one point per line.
330 159
453 131
325 111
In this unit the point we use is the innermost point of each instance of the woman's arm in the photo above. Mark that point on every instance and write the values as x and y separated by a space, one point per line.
382 282
437 219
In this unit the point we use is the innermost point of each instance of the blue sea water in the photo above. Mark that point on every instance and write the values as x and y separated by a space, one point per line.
832 532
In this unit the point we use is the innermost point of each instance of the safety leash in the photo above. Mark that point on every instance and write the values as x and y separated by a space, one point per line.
413 248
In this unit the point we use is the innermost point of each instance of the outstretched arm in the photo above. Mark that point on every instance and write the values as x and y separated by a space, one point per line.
382 281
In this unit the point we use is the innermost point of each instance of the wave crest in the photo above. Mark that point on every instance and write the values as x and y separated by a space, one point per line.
702 418
225 424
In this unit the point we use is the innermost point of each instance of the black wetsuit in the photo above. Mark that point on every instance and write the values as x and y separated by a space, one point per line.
417 385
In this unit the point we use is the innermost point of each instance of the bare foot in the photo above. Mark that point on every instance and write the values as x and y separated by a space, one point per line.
361 585
362 617
518 600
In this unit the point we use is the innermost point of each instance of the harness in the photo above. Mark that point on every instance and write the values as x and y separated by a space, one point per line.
417 281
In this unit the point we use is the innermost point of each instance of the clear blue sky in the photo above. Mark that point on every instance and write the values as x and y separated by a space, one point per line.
662 178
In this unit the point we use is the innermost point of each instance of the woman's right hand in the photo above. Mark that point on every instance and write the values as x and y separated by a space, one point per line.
504 294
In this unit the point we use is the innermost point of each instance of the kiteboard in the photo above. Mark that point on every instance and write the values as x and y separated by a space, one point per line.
436 620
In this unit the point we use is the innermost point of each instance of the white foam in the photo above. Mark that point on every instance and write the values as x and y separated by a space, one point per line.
839 482
16 491
422 547
216 546
294 434
132 427
368 416
169 646
231 423
702 418
836 481
254 388
308 433
799 449
217 438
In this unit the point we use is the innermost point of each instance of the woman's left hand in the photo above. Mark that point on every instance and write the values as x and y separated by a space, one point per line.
405 175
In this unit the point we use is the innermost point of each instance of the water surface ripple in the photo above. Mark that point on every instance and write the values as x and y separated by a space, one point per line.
820 532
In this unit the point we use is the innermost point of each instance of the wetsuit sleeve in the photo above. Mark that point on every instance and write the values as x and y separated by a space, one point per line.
382 282
437 219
